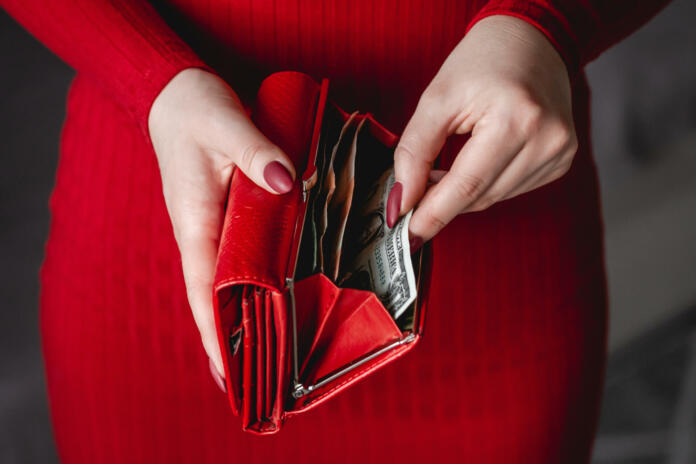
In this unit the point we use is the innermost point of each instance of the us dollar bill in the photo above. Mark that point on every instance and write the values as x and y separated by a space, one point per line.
382 262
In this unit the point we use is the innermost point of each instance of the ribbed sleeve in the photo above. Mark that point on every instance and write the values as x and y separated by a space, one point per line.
579 29
122 45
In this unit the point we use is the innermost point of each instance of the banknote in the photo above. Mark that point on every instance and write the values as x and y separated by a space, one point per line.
340 204
382 262
328 185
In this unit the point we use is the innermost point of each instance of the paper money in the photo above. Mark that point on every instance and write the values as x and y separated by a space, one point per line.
310 259
340 204
328 185
383 263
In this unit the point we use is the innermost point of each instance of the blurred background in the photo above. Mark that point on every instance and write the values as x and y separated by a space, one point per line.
644 130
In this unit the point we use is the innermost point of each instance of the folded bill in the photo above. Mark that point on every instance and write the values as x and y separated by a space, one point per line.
339 153
382 261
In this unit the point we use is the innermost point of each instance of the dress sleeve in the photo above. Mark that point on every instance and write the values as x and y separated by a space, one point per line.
579 29
122 45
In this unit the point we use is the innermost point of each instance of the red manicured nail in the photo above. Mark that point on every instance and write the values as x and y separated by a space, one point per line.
394 204
216 376
277 177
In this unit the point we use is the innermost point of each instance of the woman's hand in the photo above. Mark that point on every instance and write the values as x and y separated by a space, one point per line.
200 133
506 85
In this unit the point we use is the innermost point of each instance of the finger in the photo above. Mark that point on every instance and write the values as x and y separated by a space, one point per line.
555 166
436 176
544 175
481 160
261 160
197 219
420 143
553 147
521 168
548 172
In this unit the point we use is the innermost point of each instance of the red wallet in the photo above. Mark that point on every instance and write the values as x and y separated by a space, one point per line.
290 337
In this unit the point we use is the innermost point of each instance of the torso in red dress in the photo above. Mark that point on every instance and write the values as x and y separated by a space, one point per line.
509 369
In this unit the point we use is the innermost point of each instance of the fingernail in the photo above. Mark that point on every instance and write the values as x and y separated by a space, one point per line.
216 376
277 177
394 204
415 243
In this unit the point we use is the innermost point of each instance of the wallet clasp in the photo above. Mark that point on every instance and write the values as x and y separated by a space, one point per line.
299 390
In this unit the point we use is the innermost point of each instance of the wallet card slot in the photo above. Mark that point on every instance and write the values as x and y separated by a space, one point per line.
229 331
308 252
270 355
284 360
260 354
248 358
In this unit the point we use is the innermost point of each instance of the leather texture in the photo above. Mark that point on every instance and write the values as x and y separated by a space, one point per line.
334 327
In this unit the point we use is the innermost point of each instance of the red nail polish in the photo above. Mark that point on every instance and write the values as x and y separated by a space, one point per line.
277 177
415 243
216 376
394 204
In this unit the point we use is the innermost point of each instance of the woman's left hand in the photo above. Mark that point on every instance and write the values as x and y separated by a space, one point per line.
506 85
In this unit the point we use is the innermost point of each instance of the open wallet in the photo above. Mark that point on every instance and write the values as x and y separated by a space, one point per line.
313 291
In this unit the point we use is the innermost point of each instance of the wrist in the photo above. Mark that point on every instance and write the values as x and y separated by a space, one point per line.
544 22
523 36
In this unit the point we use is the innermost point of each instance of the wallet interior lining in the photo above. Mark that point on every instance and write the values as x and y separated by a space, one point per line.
332 335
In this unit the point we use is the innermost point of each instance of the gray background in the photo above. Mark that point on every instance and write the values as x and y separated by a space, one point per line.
644 130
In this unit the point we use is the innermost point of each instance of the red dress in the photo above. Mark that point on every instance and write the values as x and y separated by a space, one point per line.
511 365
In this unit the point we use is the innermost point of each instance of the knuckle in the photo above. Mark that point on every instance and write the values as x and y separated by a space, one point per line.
482 204
530 119
561 136
435 93
250 154
573 144
559 171
467 186
564 168
504 124
433 221
404 151
431 111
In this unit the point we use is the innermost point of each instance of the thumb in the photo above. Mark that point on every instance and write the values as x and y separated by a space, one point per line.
422 140
259 158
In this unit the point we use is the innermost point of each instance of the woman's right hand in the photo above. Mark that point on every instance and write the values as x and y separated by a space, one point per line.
200 133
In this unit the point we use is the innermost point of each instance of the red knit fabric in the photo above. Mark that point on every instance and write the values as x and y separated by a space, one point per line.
510 367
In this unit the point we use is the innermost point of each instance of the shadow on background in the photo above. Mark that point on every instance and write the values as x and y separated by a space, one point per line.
644 130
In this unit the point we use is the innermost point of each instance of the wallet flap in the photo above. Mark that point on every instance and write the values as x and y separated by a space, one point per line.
257 239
